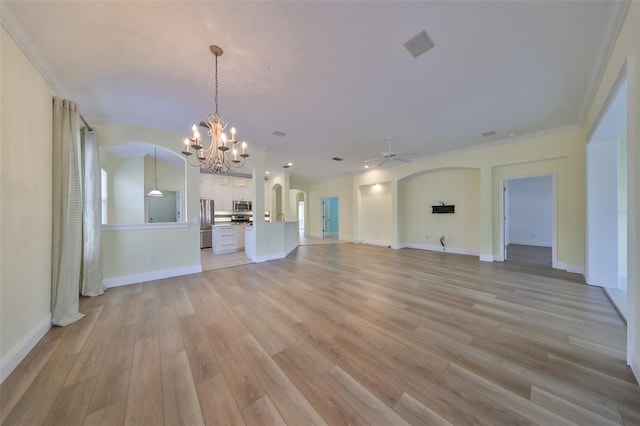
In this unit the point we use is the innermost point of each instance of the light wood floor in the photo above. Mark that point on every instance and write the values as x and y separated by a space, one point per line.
336 334
529 255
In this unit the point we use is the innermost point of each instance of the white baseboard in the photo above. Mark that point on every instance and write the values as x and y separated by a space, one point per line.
274 256
430 247
531 243
573 268
498 258
561 265
486 257
635 365
150 276
11 360
376 243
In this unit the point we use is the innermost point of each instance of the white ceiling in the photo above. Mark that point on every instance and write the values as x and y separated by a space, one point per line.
333 75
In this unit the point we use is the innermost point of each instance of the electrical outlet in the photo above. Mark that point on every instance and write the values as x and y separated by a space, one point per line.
152 258
196 220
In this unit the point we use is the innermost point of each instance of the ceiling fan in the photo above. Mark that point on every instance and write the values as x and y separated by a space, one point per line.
388 156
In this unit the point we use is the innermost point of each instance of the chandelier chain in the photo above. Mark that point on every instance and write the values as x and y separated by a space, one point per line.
216 99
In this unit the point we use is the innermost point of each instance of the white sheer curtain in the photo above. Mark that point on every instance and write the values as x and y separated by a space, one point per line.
92 220
66 256
76 259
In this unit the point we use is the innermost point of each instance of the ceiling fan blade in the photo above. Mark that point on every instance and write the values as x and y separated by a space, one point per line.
373 160
402 160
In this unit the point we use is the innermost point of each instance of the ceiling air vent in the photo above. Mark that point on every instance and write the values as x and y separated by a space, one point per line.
419 44
337 159
487 134
279 134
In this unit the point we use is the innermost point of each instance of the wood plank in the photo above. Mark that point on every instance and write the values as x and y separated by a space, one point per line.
291 404
181 405
145 398
417 413
169 331
217 403
333 409
34 406
72 403
114 380
364 402
201 358
243 383
263 412
259 330
15 386
109 416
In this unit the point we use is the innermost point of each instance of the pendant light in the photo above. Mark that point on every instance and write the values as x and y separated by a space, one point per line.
155 192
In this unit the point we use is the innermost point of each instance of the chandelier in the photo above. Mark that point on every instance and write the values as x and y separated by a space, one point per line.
221 155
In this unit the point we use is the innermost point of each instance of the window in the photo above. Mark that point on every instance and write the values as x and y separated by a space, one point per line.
104 195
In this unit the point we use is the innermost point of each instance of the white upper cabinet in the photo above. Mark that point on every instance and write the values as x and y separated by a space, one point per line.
224 189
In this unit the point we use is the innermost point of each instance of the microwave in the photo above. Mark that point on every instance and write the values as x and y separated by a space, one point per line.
241 206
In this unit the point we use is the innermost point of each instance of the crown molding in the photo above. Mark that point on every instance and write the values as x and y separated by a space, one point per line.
616 14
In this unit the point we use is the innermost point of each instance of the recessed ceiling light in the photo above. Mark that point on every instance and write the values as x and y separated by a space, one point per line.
279 134
267 172
366 166
512 134
289 164
337 159
419 44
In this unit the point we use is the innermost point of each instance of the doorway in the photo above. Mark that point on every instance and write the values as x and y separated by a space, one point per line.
301 217
330 217
529 221
607 208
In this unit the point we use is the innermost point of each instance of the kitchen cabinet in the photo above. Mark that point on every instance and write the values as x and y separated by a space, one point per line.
225 239
240 238
224 189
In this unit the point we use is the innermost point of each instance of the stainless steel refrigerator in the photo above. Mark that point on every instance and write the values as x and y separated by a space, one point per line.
206 222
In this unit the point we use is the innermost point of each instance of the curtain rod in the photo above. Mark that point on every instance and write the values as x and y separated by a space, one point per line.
89 128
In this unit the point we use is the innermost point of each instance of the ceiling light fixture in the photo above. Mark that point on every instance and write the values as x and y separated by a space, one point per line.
155 192
215 157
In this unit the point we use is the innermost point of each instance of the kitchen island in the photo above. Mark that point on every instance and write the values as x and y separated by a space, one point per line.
228 237
278 239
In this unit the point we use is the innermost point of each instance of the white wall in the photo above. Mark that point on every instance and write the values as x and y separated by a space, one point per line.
529 208
25 204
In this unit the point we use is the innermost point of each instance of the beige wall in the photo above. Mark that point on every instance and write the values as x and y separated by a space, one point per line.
126 190
141 253
341 187
25 197
418 226
375 220
560 153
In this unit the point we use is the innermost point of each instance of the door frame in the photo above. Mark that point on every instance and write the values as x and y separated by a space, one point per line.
554 224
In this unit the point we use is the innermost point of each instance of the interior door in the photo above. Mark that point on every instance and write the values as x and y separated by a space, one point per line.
325 217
